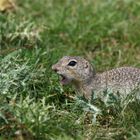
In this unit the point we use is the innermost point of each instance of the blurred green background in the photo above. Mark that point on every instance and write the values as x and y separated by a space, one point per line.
33 105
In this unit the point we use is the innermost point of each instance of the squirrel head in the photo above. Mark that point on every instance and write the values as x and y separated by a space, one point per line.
73 70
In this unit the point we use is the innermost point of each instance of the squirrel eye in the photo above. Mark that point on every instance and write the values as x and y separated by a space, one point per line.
72 63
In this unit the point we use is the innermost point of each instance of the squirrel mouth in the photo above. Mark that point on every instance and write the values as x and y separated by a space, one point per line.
64 80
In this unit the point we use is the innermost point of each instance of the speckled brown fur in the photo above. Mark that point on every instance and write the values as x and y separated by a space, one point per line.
121 80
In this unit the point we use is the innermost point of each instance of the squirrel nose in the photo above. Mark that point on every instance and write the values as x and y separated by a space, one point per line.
54 68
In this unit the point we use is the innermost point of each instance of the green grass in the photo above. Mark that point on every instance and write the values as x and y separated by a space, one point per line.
33 105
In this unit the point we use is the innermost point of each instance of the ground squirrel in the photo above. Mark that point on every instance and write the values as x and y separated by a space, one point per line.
82 75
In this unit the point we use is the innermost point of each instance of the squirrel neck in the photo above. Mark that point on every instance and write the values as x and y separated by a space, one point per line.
85 86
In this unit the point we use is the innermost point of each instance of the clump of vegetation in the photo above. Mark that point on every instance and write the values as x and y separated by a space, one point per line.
33 105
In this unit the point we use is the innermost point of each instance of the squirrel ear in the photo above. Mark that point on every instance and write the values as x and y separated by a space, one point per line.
86 64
